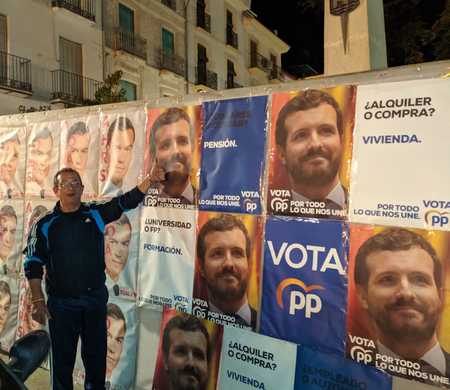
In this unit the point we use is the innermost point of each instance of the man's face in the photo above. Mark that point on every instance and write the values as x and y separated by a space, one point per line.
117 241
69 189
226 266
39 159
187 360
5 303
401 295
174 149
77 152
120 152
115 336
9 157
313 148
8 227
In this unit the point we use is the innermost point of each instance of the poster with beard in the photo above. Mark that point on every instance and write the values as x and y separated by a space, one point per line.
310 152
396 123
121 255
172 148
253 361
9 296
80 139
11 229
122 336
121 150
42 159
12 162
305 282
398 306
184 361
228 269
233 154
167 257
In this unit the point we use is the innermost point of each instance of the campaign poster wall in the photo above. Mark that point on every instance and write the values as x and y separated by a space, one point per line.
253 361
172 147
397 123
192 365
228 268
11 229
233 154
316 370
9 296
79 150
12 162
42 159
310 152
305 282
25 322
398 303
121 150
166 257
121 255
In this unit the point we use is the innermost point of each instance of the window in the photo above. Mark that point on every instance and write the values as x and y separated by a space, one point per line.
168 45
230 74
126 18
202 59
3 47
253 53
70 56
130 89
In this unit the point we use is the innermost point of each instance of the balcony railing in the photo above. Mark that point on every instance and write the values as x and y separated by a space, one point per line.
172 62
72 88
260 62
15 73
232 38
206 77
232 84
84 8
275 72
204 21
172 4
120 39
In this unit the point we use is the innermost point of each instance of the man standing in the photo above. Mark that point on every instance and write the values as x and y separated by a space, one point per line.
224 250
8 229
116 329
309 132
171 146
5 303
39 156
186 353
398 279
69 244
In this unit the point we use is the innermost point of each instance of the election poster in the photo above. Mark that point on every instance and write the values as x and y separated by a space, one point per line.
317 370
398 304
25 322
253 361
12 162
121 150
42 159
121 255
233 154
34 209
11 229
228 268
310 152
305 282
80 139
172 149
403 127
188 353
9 295
166 257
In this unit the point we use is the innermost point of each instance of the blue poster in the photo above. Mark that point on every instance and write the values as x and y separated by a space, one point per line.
233 150
304 294
316 371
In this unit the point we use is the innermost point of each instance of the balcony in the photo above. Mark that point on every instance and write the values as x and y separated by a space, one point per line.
171 62
172 4
233 84
205 77
260 62
204 21
84 8
15 73
232 37
73 89
120 39
275 73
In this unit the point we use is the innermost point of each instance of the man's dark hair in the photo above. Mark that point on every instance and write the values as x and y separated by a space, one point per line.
43 134
114 311
4 289
186 323
61 171
172 115
8 211
122 123
393 239
77 128
306 100
222 223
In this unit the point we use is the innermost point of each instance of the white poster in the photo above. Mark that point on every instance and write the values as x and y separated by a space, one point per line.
167 257
401 156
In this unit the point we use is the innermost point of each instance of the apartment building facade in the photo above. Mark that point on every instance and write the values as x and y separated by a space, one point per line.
56 53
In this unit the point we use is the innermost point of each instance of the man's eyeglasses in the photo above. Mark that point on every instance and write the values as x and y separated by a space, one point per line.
71 184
